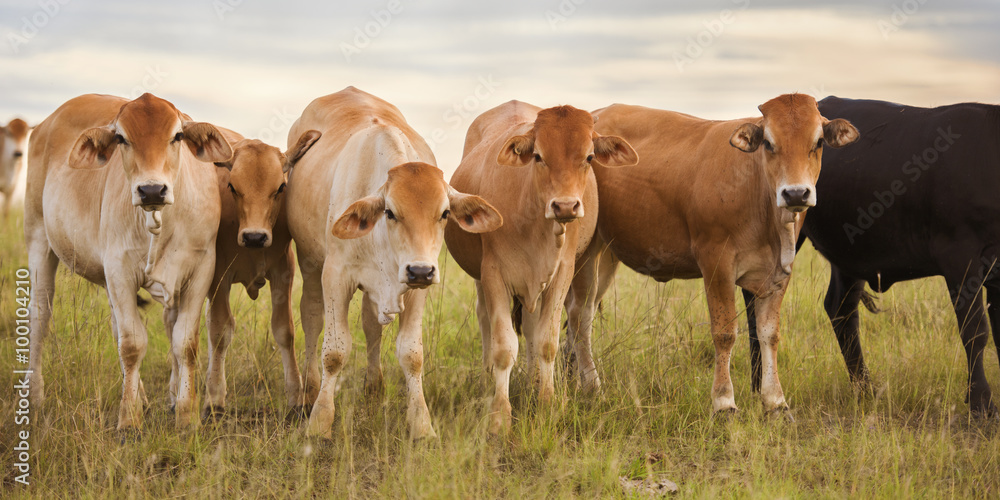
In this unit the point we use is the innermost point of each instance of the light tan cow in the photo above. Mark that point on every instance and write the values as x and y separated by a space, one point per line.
253 248
367 209
534 166
718 200
13 145
124 193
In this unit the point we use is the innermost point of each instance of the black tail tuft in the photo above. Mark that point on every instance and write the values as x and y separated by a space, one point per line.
515 315
868 299
141 302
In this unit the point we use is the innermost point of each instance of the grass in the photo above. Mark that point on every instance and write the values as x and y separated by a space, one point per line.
914 438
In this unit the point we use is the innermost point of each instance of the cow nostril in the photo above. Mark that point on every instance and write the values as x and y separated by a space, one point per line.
163 191
153 194
419 273
254 240
576 207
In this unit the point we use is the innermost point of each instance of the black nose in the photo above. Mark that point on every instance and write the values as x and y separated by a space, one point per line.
18 154
796 197
420 275
152 194
254 240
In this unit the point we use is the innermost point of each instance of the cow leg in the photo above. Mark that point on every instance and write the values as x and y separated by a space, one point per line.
114 333
373 343
169 319
768 316
595 272
993 300
336 348
841 304
42 263
280 281
967 299
184 346
410 353
541 330
751 307
502 347
311 311
483 315
720 292
221 328
132 343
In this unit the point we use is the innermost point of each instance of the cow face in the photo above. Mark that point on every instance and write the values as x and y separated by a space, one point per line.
258 173
149 133
13 145
560 148
792 133
416 203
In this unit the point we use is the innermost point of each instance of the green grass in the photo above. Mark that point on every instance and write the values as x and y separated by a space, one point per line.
914 438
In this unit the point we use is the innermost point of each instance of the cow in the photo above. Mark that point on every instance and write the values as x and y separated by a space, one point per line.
367 209
124 193
916 197
13 144
695 207
253 248
534 166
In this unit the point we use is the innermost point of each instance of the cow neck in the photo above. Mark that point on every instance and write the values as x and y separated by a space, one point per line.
780 222
162 226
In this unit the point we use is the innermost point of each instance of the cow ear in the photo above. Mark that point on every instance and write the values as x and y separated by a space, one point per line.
359 218
472 213
613 151
747 137
94 148
206 142
839 133
518 151
306 141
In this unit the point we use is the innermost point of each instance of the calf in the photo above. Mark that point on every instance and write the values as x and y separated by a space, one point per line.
13 144
534 166
367 209
696 208
915 197
124 194
253 247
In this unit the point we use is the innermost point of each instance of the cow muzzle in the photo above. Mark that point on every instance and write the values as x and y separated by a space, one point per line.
564 209
419 275
152 196
797 198
254 238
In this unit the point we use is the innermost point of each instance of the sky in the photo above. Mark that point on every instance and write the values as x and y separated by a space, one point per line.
253 66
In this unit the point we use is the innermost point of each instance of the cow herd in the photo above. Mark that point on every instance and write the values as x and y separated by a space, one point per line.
541 210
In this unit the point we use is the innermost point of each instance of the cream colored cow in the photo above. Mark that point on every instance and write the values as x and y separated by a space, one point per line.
367 209
124 193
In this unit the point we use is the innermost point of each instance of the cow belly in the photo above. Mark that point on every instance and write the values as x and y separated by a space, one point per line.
659 262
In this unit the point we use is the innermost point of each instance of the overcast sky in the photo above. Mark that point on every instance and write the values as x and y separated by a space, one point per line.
252 65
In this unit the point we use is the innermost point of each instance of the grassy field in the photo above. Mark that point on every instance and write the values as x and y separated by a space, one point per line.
914 438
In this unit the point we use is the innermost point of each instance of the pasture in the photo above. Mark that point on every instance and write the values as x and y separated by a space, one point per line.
913 438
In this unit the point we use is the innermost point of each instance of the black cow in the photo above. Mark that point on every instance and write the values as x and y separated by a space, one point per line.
918 195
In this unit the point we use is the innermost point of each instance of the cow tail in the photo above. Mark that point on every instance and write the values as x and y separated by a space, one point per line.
515 315
869 301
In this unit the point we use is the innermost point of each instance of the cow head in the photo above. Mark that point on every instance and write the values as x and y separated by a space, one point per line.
416 203
258 173
792 133
560 148
13 145
149 132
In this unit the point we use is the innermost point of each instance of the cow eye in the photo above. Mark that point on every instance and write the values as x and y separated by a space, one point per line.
538 157
590 158
445 214
18 154
819 143
232 189
768 146
281 188
178 137
389 215
120 139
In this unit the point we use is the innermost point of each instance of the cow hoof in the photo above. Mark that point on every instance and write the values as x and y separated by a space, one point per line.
726 414
212 413
172 409
985 412
781 413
